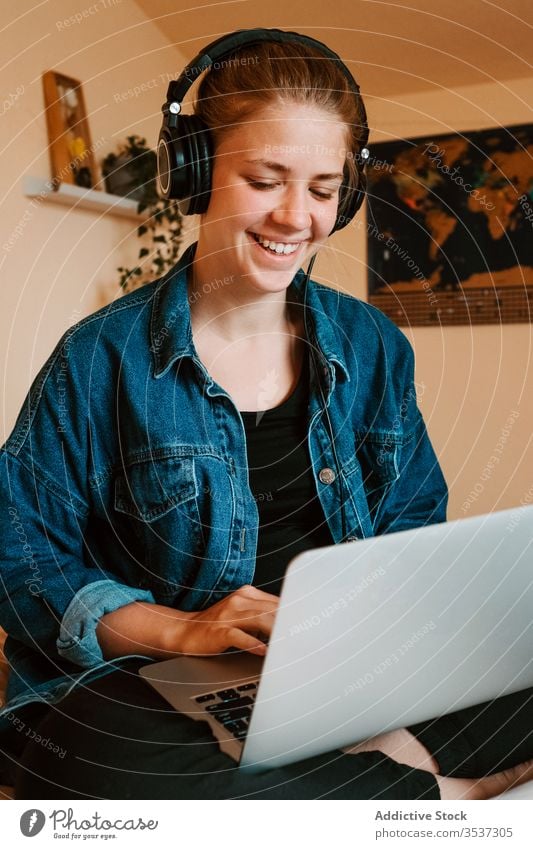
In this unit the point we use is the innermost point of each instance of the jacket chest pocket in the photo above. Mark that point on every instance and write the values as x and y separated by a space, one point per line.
157 499
149 489
373 469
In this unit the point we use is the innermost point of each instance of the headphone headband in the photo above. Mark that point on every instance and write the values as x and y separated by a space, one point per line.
228 44
185 147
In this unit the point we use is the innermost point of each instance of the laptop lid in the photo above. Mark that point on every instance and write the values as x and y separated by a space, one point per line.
389 631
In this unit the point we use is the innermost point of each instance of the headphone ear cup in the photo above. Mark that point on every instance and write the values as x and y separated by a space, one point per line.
184 164
350 201
359 195
201 152
345 206
167 159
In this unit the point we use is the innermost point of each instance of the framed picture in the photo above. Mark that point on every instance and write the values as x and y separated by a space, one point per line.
450 228
71 151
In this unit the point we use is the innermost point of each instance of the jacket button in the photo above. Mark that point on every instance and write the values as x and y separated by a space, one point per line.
326 476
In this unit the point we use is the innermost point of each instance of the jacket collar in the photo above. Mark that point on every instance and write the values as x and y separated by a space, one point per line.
322 326
170 324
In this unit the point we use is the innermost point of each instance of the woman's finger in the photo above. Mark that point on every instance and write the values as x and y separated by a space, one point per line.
250 591
251 620
238 606
241 640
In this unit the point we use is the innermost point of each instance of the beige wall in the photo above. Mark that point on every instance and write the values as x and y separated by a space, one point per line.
478 381
62 263
477 388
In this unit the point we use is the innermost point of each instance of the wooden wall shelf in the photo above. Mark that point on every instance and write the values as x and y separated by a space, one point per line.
79 198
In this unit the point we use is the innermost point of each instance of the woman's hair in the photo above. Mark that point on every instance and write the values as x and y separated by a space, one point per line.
256 76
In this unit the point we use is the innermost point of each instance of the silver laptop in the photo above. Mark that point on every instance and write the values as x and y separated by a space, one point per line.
370 636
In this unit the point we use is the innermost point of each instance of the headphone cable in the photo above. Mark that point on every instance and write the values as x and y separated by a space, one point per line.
324 402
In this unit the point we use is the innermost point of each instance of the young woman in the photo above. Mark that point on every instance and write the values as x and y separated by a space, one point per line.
182 445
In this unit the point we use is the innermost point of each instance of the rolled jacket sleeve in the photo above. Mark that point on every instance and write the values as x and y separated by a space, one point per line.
77 636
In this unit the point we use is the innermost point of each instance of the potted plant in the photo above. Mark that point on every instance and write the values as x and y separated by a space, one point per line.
132 173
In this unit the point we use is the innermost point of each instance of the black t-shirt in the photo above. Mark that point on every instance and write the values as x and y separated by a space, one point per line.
291 518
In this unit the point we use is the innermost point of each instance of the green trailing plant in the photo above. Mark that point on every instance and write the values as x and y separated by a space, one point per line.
161 231
135 165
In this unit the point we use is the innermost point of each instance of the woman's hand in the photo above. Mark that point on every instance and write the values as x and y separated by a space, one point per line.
242 620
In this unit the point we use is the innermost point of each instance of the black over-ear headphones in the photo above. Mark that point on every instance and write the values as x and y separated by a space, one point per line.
185 147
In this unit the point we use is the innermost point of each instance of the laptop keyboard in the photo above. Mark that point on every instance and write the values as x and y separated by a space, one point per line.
232 708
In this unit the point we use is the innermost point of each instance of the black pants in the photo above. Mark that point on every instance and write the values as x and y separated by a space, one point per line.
116 738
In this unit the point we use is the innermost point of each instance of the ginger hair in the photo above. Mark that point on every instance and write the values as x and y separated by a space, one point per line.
256 76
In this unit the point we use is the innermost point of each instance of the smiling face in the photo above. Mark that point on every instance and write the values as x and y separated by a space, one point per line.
274 197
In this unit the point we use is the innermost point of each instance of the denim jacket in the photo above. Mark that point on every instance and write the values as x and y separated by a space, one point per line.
125 477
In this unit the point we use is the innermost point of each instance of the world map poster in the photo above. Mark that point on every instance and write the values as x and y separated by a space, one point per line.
450 227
